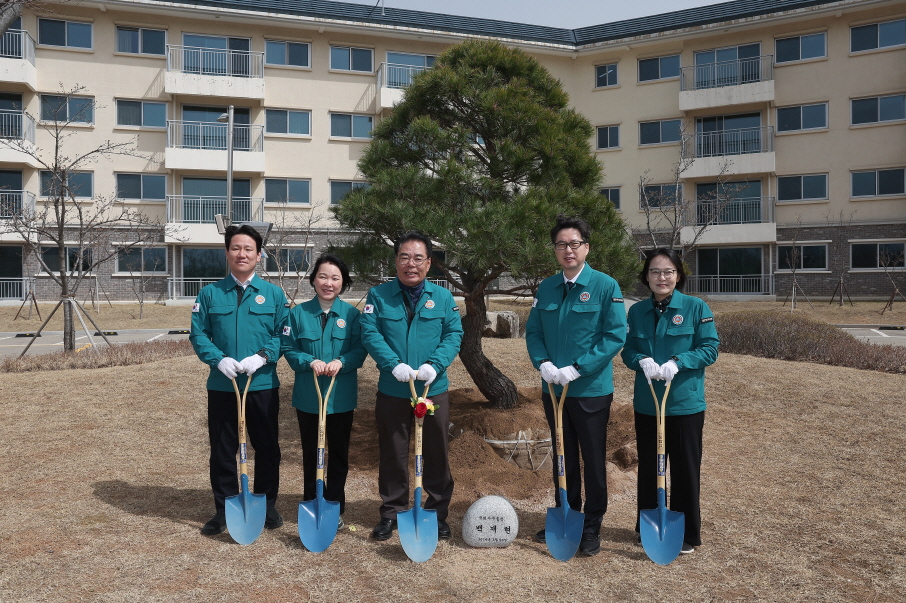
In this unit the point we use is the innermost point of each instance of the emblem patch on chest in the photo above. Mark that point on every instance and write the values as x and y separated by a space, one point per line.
429 304
585 296
341 323
678 319
259 299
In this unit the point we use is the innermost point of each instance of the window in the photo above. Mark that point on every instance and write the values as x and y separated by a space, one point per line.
141 259
282 190
800 48
730 66
72 109
803 117
661 195
141 186
613 195
656 132
51 257
141 114
287 53
659 68
877 35
878 109
339 189
877 183
78 184
345 125
801 257
608 137
138 40
877 255
71 34
344 58
801 188
288 260
605 75
279 121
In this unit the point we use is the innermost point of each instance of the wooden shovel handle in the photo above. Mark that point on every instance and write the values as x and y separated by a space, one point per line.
322 422
240 406
558 428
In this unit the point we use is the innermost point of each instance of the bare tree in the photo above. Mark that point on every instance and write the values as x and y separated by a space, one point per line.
889 260
839 252
10 10
289 246
142 270
793 261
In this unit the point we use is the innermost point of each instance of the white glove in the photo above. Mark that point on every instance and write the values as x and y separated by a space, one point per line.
549 372
567 374
427 374
650 368
403 372
230 367
669 371
252 364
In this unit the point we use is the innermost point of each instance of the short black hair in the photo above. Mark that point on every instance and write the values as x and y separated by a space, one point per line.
674 258
327 258
245 229
571 222
414 235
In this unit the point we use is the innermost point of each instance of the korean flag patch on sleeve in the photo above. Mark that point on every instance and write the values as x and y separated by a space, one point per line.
534 302
287 330
196 307
369 309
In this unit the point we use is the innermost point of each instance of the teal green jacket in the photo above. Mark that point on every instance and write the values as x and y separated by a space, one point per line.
586 328
221 327
685 330
304 341
434 335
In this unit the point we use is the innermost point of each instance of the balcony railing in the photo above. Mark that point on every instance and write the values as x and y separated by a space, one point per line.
729 142
17 125
751 210
727 73
201 210
440 282
392 75
13 203
17 44
215 61
212 135
187 287
16 288
744 284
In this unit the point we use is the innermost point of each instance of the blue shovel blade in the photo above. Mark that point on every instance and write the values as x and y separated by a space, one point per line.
245 514
662 531
418 530
318 521
563 529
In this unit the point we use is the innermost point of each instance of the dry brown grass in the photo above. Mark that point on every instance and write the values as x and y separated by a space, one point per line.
120 354
106 488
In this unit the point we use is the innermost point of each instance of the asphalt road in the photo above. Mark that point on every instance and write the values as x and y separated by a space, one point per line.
12 344
881 335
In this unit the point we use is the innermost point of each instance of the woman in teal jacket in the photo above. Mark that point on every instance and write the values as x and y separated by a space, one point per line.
322 336
671 338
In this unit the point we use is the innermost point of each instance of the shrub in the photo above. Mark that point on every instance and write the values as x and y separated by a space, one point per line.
791 337
123 354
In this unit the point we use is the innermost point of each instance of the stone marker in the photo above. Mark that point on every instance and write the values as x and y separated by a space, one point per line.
491 521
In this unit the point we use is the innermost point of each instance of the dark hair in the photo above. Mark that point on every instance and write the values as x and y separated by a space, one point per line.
674 258
414 235
564 222
326 258
245 229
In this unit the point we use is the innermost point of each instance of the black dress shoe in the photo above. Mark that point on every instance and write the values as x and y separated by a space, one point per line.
590 545
540 537
215 525
384 529
273 519
443 530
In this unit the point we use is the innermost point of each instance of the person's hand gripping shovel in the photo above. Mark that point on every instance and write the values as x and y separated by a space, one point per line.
563 528
245 512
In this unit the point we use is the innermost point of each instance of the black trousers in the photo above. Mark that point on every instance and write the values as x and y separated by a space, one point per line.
261 409
584 430
337 432
683 441
395 425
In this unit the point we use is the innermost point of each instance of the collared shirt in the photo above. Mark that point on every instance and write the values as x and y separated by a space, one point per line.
241 283
572 280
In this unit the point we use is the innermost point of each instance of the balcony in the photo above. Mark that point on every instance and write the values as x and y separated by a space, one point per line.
743 220
214 72
187 288
729 152
17 59
392 79
195 215
728 83
743 284
17 134
16 288
14 203
202 146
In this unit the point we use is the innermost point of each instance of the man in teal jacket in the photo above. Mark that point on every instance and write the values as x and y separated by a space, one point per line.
236 327
411 328
576 326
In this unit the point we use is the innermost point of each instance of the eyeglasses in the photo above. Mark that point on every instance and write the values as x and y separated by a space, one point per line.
561 245
418 260
655 273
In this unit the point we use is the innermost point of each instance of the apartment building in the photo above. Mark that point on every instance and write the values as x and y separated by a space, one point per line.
799 106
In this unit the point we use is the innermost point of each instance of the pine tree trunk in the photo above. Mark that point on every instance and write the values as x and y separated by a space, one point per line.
494 385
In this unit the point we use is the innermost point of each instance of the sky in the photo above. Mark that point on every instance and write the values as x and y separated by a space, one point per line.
555 13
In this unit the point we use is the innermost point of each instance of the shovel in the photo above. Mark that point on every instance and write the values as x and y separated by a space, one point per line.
662 530
245 512
319 518
417 526
563 528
